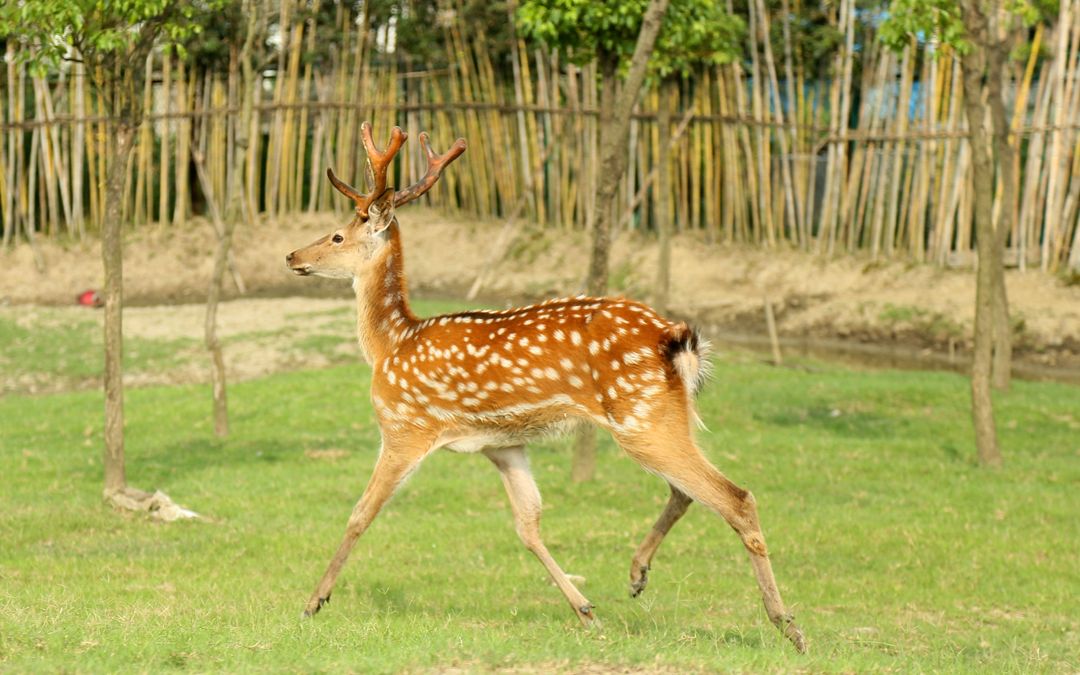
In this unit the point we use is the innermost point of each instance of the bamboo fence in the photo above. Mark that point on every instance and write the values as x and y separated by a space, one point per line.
875 163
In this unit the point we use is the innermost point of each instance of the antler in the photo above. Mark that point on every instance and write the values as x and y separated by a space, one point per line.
378 163
436 164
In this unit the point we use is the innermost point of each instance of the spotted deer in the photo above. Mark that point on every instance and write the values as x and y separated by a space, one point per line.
490 381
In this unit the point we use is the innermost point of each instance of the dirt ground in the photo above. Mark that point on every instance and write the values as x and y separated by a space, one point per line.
851 299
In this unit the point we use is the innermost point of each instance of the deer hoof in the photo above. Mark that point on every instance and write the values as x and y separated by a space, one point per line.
312 611
638 585
786 624
588 617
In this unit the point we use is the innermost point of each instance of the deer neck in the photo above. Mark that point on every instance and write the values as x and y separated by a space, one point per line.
383 316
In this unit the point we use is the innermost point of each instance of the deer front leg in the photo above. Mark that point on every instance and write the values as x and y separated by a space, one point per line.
525 503
639 564
391 469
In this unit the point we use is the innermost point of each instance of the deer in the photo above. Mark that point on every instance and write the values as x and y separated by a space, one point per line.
488 382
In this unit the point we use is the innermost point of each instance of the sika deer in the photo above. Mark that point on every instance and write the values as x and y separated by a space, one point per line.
489 381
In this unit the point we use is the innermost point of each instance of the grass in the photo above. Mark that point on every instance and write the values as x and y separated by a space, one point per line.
59 349
895 552
51 349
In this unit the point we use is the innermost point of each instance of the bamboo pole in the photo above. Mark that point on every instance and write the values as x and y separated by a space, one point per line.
51 204
899 149
1052 211
186 86
11 186
793 213
748 170
761 147
164 161
274 148
143 186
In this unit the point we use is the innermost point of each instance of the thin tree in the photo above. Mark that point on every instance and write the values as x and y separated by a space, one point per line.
696 34
593 29
616 35
980 30
224 227
112 41
983 61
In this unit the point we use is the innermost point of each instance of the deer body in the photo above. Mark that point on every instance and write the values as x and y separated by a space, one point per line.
490 381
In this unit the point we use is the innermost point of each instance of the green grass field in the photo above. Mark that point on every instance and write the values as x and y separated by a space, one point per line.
893 549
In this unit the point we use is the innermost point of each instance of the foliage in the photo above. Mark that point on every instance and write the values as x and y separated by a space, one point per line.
111 38
694 33
941 19
921 19
895 552
103 32
421 28
815 38
207 46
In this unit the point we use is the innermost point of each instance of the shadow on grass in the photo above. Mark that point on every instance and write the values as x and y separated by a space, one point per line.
834 420
198 456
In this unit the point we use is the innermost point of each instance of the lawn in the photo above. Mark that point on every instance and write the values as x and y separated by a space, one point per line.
892 548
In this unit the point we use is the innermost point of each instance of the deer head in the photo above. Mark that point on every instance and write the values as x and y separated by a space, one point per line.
344 253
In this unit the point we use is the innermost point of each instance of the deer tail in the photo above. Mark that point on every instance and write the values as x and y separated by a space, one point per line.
687 354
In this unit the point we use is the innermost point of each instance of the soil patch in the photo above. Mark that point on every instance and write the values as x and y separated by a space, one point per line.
883 305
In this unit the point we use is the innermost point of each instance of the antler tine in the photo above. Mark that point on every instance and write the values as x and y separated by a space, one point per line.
436 164
343 187
378 163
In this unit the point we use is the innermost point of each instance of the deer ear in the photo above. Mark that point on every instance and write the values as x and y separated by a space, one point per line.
381 212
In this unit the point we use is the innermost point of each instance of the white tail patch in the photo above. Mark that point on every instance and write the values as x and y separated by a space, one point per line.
691 362
693 365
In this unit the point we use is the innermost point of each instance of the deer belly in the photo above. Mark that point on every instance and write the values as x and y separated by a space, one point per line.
480 439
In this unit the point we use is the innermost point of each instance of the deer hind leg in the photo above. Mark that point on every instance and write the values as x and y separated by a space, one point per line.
639 564
525 503
680 462
395 463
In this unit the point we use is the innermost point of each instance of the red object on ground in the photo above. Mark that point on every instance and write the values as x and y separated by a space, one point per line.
90 298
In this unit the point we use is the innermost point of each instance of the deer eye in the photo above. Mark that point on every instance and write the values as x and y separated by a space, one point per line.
337 239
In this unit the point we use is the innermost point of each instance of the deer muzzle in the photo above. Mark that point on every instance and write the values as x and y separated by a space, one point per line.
299 268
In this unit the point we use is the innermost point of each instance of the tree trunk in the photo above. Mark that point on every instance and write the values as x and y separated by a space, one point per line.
604 198
224 230
1001 369
112 259
225 227
982 406
613 150
668 99
614 135
1006 152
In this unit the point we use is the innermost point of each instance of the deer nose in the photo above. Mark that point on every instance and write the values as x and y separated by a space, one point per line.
288 258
